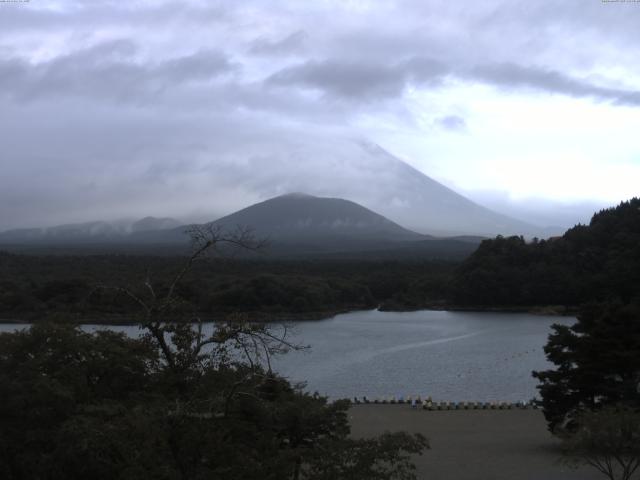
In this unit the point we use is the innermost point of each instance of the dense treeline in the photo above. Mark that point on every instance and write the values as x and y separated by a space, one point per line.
598 261
37 287
589 262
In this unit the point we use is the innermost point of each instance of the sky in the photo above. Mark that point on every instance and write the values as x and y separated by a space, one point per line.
192 109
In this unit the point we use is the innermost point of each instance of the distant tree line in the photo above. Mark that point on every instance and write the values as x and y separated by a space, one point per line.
39 287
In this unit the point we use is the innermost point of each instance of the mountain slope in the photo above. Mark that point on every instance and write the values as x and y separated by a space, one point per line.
295 217
360 171
421 202
69 233
148 224
299 224
86 232
367 174
291 218
295 225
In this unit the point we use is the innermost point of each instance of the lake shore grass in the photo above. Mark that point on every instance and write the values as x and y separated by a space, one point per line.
474 444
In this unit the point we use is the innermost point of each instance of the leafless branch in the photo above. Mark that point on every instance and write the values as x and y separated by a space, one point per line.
184 344
149 286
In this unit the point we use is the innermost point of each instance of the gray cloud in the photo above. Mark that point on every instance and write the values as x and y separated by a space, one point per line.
344 79
79 14
290 44
380 81
541 79
178 106
359 80
107 70
199 66
539 211
110 69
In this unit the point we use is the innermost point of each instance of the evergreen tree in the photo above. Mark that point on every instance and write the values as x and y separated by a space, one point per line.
597 363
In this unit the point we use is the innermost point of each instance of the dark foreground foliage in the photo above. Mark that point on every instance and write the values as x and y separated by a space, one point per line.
177 403
103 406
607 440
597 364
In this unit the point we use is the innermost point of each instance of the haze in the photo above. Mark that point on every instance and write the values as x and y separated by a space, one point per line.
112 109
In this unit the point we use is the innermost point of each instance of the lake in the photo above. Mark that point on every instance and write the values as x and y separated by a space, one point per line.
451 356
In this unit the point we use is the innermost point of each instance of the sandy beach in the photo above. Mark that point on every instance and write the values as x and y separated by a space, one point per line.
474 444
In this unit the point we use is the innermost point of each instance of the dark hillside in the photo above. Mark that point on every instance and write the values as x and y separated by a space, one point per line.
589 262
298 216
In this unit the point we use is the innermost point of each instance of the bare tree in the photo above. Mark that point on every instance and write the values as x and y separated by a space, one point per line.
178 331
608 440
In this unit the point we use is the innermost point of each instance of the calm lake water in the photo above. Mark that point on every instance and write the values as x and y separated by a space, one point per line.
452 356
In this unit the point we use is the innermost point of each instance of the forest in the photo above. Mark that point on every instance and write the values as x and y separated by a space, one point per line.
598 261
35 288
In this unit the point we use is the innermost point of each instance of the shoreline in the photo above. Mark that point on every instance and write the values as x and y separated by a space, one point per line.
258 317
269 317
542 310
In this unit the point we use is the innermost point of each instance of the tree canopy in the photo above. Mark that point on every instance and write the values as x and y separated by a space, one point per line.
597 363
598 261
608 440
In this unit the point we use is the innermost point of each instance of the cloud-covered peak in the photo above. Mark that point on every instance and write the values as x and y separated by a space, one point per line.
194 108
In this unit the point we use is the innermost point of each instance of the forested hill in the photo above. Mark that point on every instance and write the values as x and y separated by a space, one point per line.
589 262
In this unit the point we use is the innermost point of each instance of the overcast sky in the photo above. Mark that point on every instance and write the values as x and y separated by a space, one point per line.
194 108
